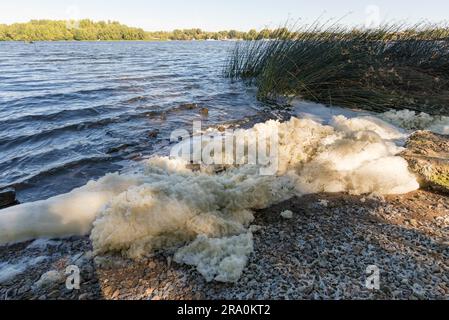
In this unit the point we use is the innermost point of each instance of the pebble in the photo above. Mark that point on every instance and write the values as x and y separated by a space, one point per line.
287 214
413 222
84 296
115 294
108 290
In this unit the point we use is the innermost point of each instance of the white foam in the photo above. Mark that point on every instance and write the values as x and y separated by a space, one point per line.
167 204
402 119
412 120
218 259
61 216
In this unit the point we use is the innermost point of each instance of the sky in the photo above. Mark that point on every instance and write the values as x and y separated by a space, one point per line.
214 15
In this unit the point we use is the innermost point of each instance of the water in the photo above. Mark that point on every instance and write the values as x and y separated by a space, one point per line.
73 111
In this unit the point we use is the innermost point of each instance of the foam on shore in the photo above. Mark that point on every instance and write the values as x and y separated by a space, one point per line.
169 205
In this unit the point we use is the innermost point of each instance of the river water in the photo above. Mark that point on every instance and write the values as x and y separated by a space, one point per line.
73 111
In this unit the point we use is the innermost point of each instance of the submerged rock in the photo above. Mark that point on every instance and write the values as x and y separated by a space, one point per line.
428 156
8 198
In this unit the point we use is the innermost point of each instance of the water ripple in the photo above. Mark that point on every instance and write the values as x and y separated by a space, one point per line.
72 111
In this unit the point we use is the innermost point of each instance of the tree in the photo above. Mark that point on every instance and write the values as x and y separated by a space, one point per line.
251 35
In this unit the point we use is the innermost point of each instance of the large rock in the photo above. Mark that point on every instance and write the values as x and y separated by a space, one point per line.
7 198
428 156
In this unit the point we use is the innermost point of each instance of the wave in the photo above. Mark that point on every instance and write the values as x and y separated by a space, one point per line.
71 95
59 115
57 169
11 142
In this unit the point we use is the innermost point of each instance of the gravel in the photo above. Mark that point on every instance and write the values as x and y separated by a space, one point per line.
322 252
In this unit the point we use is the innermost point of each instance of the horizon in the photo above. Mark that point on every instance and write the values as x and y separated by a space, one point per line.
155 16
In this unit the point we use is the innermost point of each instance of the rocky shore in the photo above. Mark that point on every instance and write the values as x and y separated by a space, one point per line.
322 252
321 249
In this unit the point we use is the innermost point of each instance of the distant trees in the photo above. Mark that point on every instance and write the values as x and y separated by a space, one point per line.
88 30
36 30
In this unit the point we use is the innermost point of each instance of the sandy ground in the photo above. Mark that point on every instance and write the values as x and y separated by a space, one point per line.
323 252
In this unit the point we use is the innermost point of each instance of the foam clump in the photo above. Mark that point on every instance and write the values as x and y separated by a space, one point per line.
170 205
221 260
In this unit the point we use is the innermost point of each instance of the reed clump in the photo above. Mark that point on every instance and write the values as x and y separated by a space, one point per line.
392 67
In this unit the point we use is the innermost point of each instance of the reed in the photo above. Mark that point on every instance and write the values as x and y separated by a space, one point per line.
392 67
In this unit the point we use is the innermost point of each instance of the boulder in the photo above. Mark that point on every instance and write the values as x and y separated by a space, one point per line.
428 156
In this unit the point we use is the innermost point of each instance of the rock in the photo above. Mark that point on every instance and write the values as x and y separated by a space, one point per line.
287 214
153 133
323 203
8 198
204 112
188 106
255 228
77 259
54 294
49 279
84 296
149 292
118 149
418 290
24 289
428 156
413 223
116 294
169 261
108 290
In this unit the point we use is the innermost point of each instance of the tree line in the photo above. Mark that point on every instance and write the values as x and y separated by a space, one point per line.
88 30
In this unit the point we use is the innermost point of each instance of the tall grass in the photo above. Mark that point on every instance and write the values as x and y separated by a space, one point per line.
392 67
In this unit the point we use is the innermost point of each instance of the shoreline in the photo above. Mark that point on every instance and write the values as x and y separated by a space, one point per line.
89 41
321 253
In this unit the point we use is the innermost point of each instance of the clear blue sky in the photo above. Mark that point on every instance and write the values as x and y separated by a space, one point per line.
215 15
